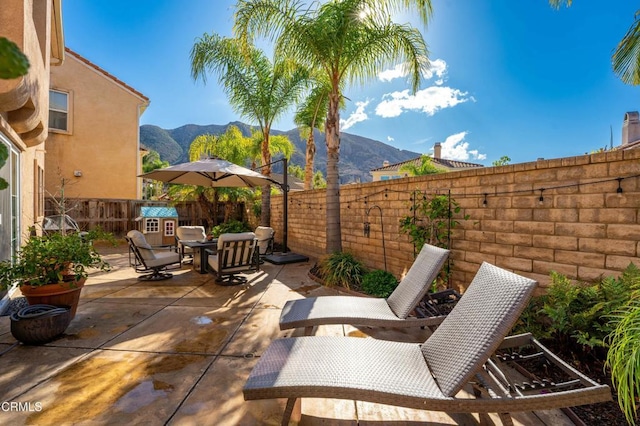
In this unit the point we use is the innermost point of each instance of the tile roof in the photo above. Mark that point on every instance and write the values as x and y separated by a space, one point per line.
630 145
449 164
106 74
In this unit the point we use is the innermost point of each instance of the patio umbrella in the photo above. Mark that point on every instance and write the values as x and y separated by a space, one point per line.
210 172
216 172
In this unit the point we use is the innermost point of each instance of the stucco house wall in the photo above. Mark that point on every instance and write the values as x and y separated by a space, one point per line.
36 28
99 155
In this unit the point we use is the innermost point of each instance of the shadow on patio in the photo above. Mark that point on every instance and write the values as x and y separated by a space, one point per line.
179 352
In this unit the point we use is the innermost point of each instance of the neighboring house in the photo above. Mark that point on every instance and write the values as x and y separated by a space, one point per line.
630 131
392 171
93 142
36 27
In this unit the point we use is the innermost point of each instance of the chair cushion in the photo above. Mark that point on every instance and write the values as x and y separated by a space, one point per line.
191 233
164 258
140 241
264 234
235 237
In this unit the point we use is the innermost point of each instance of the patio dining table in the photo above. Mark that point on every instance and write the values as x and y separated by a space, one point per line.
200 253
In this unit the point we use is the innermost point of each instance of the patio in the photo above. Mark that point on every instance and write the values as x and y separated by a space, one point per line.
179 352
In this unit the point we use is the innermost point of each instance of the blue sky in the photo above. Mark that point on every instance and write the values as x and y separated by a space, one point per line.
514 78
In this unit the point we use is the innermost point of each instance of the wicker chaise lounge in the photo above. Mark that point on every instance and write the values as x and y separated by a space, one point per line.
391 312
427 376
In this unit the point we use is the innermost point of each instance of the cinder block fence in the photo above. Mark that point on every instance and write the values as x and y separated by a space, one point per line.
566 215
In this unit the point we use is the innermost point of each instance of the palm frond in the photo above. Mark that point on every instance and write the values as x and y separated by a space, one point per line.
626 57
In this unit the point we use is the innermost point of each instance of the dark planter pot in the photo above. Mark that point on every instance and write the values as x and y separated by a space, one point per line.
39 324
66 293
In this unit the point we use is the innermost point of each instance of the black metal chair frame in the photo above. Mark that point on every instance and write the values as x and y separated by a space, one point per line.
226 261
150 273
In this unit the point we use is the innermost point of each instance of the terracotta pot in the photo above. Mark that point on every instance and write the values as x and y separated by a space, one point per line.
66 293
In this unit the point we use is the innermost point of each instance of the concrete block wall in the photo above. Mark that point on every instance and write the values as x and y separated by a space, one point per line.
582 227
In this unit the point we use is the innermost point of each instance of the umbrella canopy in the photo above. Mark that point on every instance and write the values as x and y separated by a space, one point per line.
210 172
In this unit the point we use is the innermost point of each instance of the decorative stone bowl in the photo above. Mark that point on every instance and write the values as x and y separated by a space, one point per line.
39 324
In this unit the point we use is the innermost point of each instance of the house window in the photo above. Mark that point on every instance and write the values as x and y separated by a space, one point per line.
151 226
169 228
384 177
58 110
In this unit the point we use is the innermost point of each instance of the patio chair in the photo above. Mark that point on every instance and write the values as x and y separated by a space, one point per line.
391 312
152 262
265 237
427 376
236 253
189 233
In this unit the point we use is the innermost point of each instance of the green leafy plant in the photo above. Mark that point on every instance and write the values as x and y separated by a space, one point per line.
13 63
232 226
49 259
342 269
379 283
578 315
623 358
431 221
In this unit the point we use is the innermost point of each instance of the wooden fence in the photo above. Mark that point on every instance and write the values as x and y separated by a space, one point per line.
119 216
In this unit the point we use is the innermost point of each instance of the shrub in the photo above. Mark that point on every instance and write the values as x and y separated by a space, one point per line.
579 314
379 283
343 269
231 226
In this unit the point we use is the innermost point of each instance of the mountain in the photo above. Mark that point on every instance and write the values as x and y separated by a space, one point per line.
358 155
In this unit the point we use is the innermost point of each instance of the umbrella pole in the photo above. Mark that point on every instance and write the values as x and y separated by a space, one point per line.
285 210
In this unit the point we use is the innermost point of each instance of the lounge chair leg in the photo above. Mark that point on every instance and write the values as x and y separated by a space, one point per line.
292 411
506 419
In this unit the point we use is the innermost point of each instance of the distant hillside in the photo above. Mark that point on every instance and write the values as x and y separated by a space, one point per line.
358 155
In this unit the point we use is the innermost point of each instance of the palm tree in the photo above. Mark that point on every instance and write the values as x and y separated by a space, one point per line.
259 90
426 167
626 57
348 41
231 146
311 115
278 144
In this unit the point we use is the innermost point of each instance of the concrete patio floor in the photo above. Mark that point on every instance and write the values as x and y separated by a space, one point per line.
178 352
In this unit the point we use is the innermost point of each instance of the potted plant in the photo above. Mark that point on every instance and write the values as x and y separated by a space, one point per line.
51 269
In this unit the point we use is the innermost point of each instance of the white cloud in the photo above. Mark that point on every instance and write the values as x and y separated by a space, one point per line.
438 68
456 148
391 74
390 139
428 100
357 116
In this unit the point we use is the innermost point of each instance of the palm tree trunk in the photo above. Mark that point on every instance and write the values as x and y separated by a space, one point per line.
265 216
210 209
308 168
334 232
